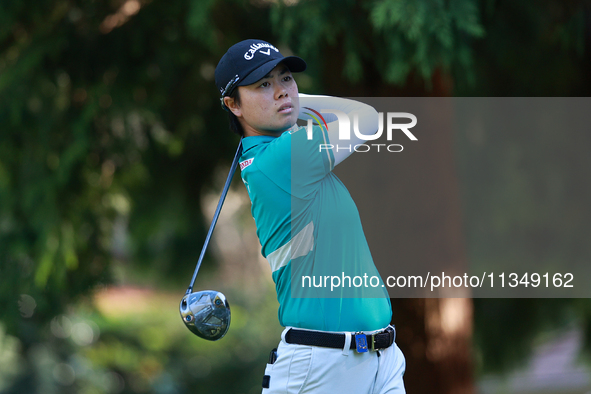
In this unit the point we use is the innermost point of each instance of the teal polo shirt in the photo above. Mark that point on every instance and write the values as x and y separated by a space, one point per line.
310 231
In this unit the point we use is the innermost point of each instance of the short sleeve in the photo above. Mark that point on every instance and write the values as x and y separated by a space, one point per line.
296 163
274 162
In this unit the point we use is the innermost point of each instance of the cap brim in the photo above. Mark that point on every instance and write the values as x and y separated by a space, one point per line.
294 63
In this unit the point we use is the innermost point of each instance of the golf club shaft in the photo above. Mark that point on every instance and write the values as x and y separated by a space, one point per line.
217 213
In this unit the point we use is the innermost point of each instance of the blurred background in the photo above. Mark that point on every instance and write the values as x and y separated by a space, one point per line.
113 152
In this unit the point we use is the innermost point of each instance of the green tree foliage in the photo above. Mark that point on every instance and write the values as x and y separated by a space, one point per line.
110 129
532 49
392 38
109 117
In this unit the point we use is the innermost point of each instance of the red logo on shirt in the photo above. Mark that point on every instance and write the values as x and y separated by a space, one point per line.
245 164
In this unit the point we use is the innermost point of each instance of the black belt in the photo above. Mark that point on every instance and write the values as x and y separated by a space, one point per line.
380 340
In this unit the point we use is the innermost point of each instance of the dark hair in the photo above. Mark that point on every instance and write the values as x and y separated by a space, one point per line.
235 125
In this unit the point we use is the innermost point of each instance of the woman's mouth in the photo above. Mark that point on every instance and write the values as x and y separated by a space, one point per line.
285 109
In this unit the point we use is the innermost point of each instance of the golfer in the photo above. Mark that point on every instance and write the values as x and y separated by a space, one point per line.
336 339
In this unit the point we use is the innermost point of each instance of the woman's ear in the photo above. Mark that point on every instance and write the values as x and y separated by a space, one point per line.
233 106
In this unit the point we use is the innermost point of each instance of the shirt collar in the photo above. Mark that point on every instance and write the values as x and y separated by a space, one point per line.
250 142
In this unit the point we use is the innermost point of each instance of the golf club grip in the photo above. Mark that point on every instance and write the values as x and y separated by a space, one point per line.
217 213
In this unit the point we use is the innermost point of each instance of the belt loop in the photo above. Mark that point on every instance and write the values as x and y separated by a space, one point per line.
347 346
285 332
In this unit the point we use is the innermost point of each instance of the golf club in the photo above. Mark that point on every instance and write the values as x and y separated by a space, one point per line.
207 313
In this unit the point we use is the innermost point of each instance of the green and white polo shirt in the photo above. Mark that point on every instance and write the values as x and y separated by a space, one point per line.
309 227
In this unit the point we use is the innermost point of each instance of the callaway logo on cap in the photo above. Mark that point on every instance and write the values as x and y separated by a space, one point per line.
255 47
248 61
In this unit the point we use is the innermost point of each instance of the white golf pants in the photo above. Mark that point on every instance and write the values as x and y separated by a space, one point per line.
319 370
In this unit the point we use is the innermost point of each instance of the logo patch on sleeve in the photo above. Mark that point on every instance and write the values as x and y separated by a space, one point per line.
245 164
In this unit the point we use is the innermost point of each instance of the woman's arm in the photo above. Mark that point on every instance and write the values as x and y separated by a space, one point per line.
327 106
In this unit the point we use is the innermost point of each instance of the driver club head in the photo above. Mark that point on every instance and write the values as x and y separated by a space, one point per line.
206 314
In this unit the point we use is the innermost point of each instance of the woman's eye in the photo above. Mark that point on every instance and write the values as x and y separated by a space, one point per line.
288 78
264 84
